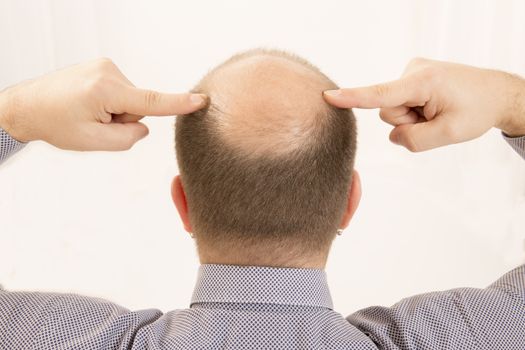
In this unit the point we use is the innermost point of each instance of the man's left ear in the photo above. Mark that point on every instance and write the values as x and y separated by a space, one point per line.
179 198
354 197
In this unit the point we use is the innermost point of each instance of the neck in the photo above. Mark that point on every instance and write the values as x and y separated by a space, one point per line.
280 256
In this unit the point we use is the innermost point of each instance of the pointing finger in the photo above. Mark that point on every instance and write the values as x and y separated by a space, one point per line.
394 93
148 102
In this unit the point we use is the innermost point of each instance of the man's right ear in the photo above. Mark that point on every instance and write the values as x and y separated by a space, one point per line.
354 197
179 198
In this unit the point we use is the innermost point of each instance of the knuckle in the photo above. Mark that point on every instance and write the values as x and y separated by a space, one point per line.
383 114
428 73
100 82
410 143
417 61
97 84
432 75
151 98
103 66
381 90
104 62
412 147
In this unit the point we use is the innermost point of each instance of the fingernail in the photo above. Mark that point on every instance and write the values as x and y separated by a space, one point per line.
198 99
332 93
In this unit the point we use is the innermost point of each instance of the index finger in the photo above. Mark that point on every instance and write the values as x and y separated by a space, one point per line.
390 94
149 102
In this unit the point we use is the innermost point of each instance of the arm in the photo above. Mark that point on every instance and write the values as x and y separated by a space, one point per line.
465 318
91 106
87 107
432 105
439 103
32 320
8 145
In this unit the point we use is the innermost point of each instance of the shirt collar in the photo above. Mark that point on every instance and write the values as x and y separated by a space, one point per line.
258 284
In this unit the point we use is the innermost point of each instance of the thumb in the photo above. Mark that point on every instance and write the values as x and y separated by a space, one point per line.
422 136
118 136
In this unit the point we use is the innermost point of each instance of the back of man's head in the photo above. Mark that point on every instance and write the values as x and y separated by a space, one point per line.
267 167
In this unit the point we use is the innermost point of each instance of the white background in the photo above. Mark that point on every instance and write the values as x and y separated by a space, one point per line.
103 224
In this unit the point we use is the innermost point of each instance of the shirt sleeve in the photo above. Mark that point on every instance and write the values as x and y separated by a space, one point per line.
8 145
31 320
466 318
517 143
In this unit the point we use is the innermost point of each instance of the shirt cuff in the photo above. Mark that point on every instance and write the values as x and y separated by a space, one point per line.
517 143
8 145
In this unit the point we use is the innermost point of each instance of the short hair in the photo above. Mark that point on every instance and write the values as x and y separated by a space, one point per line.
251 195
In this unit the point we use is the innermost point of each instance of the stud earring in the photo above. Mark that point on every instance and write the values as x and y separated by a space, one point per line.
192 235
339 232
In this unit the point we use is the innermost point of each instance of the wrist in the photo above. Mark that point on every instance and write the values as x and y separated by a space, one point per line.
8 115
4 111
513 120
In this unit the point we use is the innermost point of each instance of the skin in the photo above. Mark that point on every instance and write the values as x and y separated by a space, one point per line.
276 126
87 107
437 103
271 130
93 106
246 257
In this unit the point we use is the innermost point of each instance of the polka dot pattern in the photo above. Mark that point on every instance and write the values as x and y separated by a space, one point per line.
517 143
236 307
8 145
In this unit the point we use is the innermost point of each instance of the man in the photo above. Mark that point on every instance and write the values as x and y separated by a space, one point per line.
266 184
266 175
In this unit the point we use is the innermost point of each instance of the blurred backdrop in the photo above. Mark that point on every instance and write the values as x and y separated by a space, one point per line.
103 224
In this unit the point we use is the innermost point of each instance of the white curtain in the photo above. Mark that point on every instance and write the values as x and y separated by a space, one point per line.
103 224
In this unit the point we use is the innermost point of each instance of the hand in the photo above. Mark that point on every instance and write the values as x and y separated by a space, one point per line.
90 106
438 103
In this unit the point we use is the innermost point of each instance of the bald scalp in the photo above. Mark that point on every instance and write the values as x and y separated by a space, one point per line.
267 102
267 166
